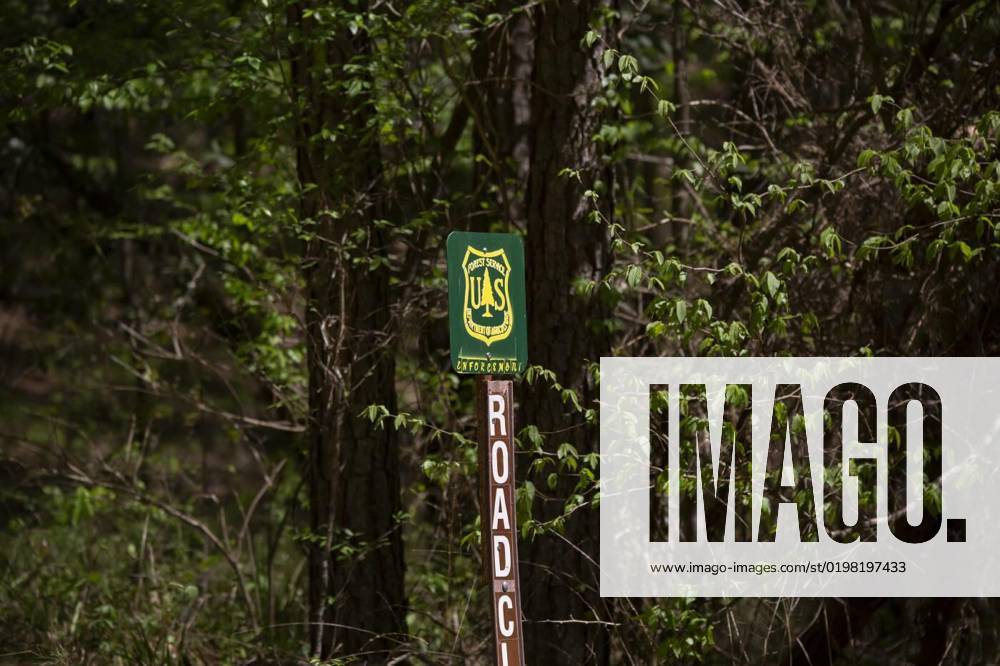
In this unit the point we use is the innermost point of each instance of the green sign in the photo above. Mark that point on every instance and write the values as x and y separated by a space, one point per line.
486 311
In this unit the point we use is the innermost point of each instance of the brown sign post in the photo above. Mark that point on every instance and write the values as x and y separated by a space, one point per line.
499 524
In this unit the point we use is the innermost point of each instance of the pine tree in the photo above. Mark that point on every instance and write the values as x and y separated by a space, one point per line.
487 297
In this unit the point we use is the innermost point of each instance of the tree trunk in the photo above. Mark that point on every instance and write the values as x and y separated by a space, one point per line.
356 595
501 109
559 577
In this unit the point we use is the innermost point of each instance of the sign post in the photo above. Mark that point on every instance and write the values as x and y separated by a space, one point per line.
487 322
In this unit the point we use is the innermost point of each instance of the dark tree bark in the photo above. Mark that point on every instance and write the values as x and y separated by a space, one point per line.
937 617
559 577
356 601
501 110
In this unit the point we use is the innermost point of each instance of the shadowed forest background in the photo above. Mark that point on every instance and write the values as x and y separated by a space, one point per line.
229 429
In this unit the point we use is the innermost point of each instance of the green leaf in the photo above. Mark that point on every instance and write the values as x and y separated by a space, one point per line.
628 64
905 117
772 285
633 275
736 395
680 311
866 157
877 101
830 241
665 107
655 329
962 248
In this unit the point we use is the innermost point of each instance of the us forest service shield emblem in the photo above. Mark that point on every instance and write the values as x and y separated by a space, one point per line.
487 314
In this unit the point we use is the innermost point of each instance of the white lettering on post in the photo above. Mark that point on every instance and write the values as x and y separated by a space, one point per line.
500 509
499 447
496 415
499 523
506 625
501 570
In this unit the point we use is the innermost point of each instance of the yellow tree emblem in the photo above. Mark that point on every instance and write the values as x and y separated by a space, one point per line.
486 300
487 295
